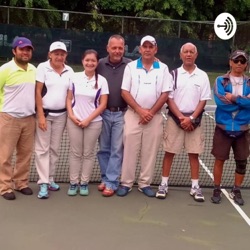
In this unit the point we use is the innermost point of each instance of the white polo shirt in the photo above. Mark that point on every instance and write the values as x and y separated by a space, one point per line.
55 86
146 86
85 97
190 89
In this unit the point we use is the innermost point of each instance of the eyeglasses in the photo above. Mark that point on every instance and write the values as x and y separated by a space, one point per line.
242 61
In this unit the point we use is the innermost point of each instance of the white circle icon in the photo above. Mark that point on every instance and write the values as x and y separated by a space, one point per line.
225 26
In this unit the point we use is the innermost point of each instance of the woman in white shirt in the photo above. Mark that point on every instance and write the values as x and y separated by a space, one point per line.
53 79
86 100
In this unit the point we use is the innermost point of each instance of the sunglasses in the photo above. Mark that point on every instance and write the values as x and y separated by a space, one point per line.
242 61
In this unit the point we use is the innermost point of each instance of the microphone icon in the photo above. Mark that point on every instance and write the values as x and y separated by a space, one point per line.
225 26
228 26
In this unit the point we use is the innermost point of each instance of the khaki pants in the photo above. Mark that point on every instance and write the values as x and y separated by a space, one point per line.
15 134
47 144
143 139
82 150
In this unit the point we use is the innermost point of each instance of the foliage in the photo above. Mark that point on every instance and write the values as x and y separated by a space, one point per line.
161 11
32 17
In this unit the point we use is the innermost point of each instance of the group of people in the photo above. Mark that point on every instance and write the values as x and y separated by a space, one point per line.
117 102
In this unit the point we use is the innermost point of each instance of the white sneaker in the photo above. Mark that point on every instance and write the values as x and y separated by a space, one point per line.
162 191
197 194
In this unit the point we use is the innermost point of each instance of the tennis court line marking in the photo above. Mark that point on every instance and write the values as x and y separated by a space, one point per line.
237 207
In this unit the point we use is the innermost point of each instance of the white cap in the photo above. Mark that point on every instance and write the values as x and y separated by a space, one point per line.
148 39
57 45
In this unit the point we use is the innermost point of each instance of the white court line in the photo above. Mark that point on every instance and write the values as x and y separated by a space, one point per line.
237 207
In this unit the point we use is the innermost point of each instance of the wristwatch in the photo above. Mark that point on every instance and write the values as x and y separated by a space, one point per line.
192 118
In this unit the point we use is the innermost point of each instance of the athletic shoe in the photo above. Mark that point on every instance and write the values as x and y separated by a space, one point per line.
108 192
84 190
162 191
43 191
73 189
216 198
101 187
123 191
197 194
148 191
54 186
236 196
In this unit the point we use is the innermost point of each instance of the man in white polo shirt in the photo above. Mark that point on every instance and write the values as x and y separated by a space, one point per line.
184 126
145 86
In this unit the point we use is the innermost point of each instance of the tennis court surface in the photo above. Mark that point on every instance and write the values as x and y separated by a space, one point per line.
133 222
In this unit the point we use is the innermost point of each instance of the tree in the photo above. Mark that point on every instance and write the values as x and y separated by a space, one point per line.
138 13
31 17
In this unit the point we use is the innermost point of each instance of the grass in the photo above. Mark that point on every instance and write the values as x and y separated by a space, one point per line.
212 75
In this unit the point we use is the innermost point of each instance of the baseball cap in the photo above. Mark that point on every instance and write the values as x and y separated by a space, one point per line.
22 42
238 53
148 39
57 45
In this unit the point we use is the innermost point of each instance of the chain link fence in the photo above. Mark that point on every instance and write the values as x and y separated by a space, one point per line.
81 31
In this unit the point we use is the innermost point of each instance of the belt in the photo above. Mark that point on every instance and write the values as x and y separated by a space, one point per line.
117 109
47 111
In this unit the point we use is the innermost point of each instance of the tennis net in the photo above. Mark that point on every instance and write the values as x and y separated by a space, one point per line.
180 171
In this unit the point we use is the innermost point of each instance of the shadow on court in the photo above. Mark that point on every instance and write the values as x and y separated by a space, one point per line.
133 222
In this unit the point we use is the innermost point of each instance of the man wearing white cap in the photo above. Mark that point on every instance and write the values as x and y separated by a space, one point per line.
52 82
17 121
145 87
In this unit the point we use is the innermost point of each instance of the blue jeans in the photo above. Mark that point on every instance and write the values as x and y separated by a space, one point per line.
110 154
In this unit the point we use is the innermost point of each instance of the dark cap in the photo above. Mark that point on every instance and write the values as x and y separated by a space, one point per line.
22 42
238 53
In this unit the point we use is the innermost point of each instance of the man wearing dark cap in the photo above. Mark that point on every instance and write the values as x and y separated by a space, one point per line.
145 87
232 116
17 121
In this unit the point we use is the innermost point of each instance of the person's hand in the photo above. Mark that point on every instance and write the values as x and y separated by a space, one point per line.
84 123
145 116
142 122
75 120
229 96
42 123
186 124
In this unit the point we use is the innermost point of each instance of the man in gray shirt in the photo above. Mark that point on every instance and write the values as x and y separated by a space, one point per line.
110 154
